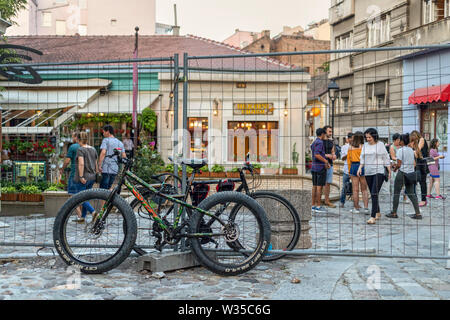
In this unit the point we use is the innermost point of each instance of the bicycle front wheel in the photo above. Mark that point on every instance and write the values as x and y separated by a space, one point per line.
100 250
238 244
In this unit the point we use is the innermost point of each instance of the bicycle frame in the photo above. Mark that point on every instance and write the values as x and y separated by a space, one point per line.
171 230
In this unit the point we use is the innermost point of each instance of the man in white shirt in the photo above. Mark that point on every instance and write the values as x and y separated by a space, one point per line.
345 176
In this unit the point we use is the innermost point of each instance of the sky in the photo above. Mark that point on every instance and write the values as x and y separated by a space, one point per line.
218 19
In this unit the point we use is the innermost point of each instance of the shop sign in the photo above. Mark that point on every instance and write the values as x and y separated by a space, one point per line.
253 108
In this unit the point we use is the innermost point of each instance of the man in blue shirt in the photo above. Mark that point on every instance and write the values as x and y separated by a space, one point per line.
109 166
320 165
71 158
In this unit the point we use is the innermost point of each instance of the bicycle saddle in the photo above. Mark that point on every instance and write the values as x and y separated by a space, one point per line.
193 163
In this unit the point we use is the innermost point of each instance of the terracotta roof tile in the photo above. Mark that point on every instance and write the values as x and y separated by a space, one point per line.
89 48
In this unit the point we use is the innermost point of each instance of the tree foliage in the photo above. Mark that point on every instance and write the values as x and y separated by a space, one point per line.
10 8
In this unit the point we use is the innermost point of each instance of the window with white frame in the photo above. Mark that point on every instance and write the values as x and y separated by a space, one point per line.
379 30
46 19
378 95
60 27
434 10
344 99
344 42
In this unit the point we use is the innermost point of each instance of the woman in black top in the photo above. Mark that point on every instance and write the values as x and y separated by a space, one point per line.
422 152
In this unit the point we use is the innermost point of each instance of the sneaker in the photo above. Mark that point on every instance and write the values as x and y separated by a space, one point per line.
79 220
354 210
313 209
429 196
422 204
440 197
320 210
366 211
416 216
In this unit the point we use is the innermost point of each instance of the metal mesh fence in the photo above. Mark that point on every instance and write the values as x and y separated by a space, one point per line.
224 107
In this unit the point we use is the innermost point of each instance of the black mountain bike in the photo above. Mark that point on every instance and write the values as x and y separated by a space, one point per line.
285 218
229 232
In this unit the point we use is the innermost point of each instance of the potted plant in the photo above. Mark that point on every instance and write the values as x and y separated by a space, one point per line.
217 171
290 170
9 193
30 193
204 172
233 173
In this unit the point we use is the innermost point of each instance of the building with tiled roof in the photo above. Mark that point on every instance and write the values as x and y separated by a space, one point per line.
235 104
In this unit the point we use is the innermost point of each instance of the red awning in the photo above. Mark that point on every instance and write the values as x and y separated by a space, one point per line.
430 94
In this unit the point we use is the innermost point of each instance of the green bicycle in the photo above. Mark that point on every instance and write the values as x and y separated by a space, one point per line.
229 232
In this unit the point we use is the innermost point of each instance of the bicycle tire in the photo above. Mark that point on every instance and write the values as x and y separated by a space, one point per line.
262 233
63 248
295 217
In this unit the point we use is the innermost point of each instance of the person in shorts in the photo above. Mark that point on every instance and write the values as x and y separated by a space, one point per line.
109 167
318 170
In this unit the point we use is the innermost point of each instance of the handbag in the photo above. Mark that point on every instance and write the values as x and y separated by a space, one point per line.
430 161
386 174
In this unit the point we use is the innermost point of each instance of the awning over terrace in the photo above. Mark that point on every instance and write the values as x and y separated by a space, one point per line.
430 94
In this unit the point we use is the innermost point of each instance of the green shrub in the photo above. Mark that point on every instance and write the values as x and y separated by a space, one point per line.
257 166
8 189
234 170
217 168
204 168
30 189
147 162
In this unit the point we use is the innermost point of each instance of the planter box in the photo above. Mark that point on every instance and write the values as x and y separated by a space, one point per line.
30 197
217 174
269 171
290 171
203 175
9 196
257 170
53 201
232 174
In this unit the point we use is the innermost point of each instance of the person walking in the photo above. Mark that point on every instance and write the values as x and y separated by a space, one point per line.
405 164
330 156
71 159
128 144
318 170
375 161
434 171
85 171
345 175
393 148
107 166
358 181
421 149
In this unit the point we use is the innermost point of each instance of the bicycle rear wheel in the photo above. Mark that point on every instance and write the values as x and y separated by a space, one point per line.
237 246
93 252
284 221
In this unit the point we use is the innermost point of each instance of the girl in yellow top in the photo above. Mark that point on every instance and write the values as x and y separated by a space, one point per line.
358 182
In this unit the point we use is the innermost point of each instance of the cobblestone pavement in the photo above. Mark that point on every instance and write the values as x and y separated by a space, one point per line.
319 278
290 278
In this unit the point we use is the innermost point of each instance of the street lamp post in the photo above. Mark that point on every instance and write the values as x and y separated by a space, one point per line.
333 89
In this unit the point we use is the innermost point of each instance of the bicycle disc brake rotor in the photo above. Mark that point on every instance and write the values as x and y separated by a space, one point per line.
231 231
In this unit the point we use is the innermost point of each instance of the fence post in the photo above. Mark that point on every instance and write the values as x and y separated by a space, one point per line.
176 61
185 143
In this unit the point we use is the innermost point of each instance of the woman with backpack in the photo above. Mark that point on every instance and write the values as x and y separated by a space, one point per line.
421 148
